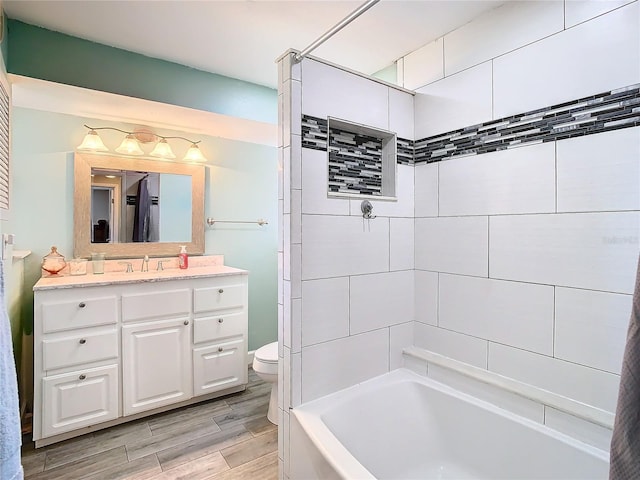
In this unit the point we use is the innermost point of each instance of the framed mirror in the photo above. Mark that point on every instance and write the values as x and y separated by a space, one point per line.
131 207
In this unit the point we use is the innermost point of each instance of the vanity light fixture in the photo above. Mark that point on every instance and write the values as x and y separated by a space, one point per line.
131 144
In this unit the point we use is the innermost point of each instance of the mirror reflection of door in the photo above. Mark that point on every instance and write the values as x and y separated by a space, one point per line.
105 208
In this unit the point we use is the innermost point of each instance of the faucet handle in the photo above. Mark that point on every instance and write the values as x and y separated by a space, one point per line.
160 267
129 266
145 264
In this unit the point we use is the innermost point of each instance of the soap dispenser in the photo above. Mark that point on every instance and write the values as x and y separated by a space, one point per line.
183 258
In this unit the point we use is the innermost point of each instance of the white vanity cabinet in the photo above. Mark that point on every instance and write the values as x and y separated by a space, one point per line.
113 349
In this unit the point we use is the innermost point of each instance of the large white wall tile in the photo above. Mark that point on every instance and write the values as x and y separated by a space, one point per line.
400 336
591 327
578 11
401 113
426 291
401 237
586 432
403 206
331 366
501 30
325 310
593 57
331 92
593 387
295 228
315 174
513 313
295 159
340 246
451 344
424 65
457 101
452 245
381 300
426 186
596 251
518 180
600 172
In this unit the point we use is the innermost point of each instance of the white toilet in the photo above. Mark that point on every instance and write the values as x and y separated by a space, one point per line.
265 364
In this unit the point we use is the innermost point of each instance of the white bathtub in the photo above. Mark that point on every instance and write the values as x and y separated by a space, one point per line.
405 426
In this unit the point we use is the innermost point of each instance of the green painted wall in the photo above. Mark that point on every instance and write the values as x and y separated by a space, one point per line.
241 183
41 53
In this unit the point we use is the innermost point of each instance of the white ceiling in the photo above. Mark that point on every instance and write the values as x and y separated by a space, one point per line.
242 38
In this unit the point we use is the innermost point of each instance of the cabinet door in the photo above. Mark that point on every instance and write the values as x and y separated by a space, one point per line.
219 366
156 366
79 399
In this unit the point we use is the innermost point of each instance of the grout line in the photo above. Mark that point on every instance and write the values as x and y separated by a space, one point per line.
438 301
555 164
487 359
444 70
349 303
488 246
493 108
553 323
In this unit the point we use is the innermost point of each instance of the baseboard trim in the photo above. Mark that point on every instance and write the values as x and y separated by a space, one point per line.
250 357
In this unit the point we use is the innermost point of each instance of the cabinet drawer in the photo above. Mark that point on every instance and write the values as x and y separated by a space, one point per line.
168 303
79 349
218 298
209 329
219 366
82 312
79 399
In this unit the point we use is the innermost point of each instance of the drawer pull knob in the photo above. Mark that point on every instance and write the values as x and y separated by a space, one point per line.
220 320
220 349
82 377
220 290
82 304
83 341
186 322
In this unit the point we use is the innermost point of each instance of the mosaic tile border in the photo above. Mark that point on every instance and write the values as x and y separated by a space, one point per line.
599 113
612 110
314 136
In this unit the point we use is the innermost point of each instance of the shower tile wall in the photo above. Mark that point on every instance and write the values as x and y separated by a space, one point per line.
530 253
346 303
519 261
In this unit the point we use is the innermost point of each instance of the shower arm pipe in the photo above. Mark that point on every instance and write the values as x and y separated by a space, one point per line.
335 29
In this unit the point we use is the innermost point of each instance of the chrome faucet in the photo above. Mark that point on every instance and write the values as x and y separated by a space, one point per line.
129 266
145 264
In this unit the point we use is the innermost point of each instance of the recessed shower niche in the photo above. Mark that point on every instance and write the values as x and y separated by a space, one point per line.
362 160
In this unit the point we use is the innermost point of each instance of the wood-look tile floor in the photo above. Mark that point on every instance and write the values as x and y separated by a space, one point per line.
228 438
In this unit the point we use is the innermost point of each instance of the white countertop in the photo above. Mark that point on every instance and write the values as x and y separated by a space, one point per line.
50 282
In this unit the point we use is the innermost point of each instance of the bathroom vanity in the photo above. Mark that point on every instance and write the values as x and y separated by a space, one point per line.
111 348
